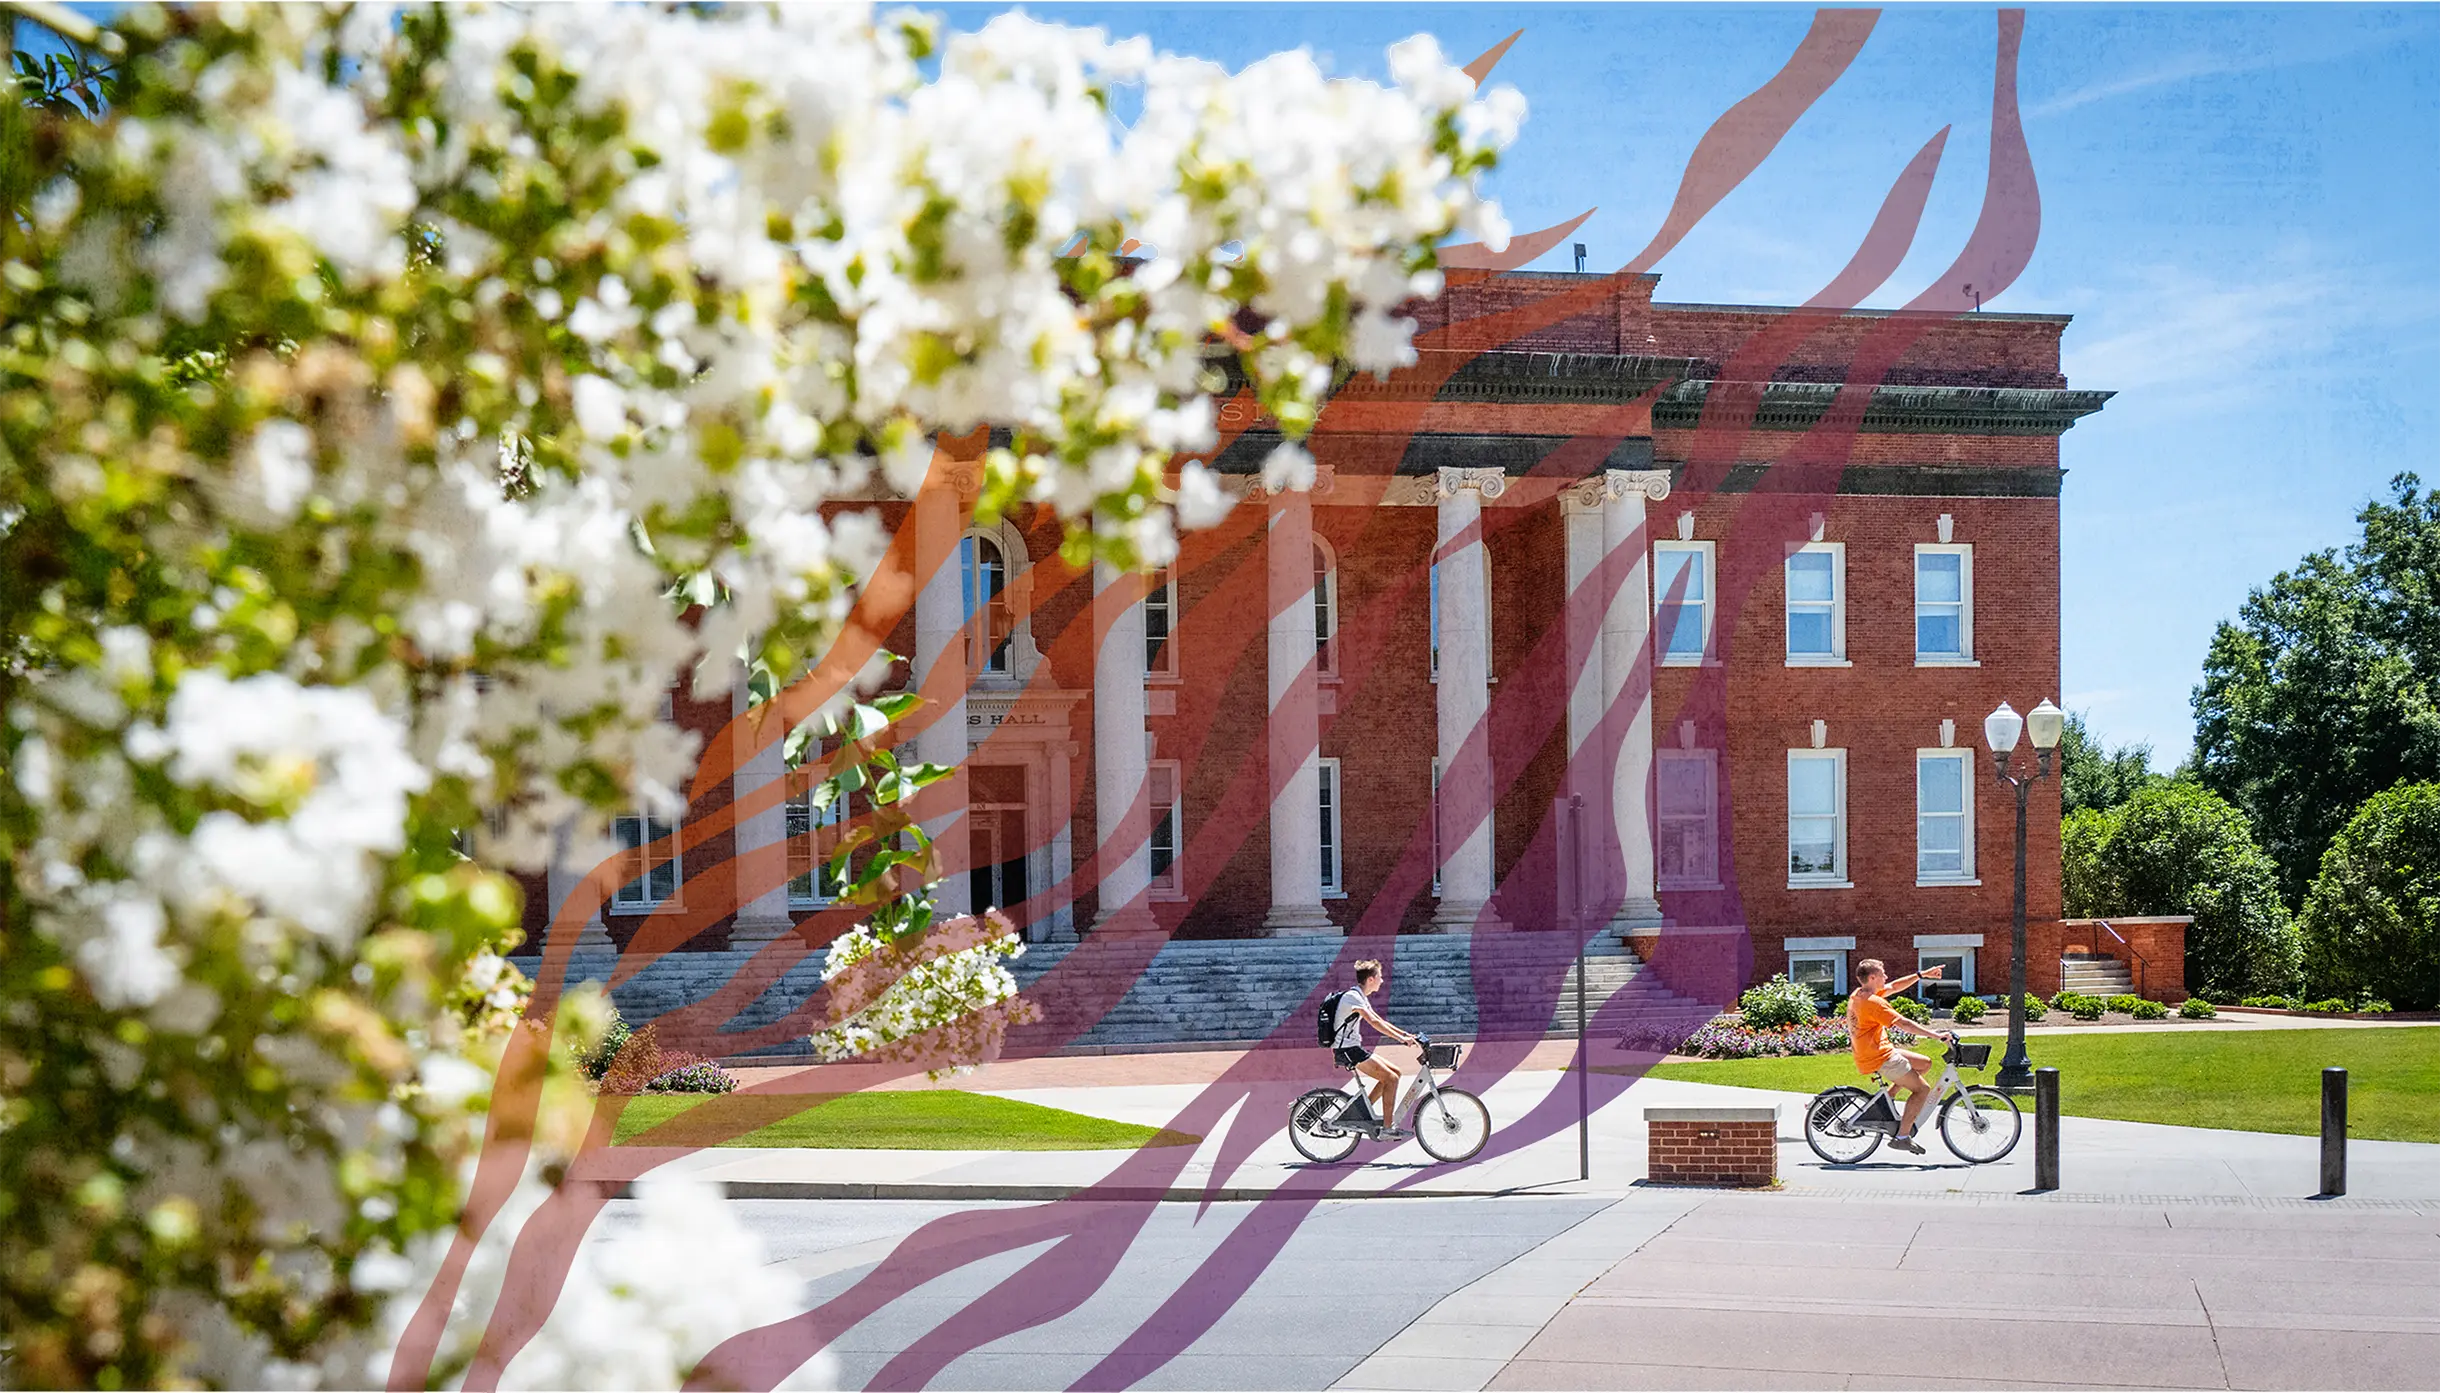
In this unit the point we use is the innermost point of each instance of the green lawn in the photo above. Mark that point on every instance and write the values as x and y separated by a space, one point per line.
935 1120
2248 1080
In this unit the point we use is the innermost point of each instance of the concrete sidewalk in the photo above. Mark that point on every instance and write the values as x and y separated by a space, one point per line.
2097 1157
1711 1290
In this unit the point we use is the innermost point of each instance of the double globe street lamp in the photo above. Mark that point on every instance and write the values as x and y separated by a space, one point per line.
2001 731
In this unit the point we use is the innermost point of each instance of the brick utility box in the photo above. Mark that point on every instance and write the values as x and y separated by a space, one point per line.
1713 1146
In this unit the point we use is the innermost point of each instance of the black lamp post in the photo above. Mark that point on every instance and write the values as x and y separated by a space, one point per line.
2045 723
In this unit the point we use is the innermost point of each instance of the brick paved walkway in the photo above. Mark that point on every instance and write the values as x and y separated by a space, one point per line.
1815 1291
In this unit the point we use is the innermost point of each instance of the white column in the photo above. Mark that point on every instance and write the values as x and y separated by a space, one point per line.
1626 651
1120 757
940 653
1464 700
560 881
1581 616
1295 725
765 917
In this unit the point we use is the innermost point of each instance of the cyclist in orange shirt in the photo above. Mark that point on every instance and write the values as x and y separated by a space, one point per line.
1869 1017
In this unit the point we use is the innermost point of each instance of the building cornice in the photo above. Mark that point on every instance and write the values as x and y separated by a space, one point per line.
1426 454
1679 396
1896 410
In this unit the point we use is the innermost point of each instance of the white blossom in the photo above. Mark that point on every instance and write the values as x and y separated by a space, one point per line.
407 544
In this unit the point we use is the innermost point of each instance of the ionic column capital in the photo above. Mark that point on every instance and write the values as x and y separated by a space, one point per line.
1489 483
966 476
1618 485
1325 480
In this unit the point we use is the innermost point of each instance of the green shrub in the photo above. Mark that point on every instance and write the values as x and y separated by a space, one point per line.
2372 1006
1778 1003
2087 1008
2175 848
2034 1009
2061 997
2371 924
2124 1003
2143 1010
2271 1003
1968 1010
2194 1008
597 1063
2332 1006
1912 1009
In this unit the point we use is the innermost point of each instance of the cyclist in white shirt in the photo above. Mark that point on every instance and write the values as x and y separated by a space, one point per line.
1347 1045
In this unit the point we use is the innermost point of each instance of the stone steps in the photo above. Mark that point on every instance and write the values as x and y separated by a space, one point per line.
2095 976
1209 991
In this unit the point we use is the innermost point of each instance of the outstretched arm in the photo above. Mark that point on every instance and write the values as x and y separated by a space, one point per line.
1382 1025
1892 988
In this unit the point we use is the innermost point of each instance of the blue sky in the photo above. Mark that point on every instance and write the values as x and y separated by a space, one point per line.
2239 205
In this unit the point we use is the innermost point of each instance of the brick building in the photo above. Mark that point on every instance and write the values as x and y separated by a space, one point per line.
1688 636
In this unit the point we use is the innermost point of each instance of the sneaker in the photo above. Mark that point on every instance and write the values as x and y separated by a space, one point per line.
1908 1144
1395 1134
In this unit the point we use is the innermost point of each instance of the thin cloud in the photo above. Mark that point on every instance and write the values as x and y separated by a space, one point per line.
2177 70
2195 65
2179 339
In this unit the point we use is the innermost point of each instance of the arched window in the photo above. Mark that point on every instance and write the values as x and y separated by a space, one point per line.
813 843
1325 609
1160 620
984 572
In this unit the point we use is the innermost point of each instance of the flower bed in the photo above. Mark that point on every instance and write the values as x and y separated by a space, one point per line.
1726 1037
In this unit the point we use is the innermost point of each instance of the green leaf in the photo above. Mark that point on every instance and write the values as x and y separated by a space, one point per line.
761 687
896 705
864 722
801 742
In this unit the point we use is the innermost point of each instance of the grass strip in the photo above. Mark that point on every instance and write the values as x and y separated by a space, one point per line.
921 1120
2242 1080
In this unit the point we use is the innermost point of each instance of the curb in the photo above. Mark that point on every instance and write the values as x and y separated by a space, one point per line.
1174 1194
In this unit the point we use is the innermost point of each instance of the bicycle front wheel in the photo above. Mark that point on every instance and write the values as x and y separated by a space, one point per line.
1980 1124
1312 1129
1830 1126
1452 1125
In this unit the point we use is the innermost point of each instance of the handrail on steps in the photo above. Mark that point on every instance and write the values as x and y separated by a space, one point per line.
2143 965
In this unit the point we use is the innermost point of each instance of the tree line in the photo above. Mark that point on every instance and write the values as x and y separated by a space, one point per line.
2303 831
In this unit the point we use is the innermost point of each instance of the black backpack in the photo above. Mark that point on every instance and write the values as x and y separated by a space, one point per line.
1326 1024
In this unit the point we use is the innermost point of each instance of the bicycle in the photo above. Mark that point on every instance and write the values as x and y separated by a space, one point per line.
1326 1123
1980 1123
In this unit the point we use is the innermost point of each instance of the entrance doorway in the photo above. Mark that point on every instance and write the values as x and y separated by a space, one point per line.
995 810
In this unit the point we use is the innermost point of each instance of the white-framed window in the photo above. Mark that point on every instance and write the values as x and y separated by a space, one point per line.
1325 609
1944 603
812 844
1817 604
1332 882
1485 554
983 575
1682 601
1687 809
1817 818
1168 828
1161 621
656 885
1944 817
1825 973
1953 954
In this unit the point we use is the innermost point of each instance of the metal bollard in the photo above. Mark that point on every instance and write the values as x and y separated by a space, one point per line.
2046 1129
2334 1131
